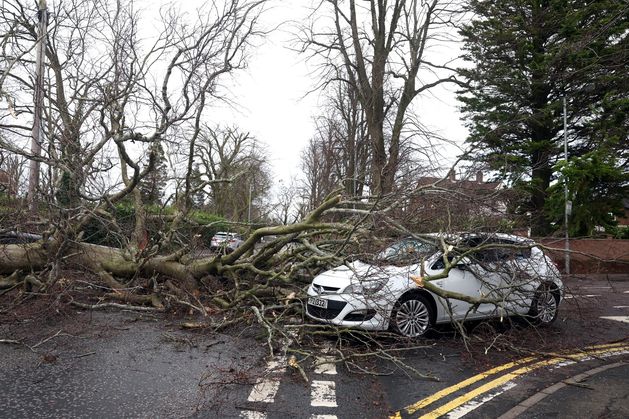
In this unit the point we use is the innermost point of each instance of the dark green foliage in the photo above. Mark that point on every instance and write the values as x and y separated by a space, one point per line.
101 231
67 193
211 222
153 184
596 188
527 55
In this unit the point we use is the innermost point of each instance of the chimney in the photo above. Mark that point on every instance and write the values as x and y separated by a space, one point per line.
479 176
452 175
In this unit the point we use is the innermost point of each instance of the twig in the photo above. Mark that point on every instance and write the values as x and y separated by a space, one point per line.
83 355
116 305
46 340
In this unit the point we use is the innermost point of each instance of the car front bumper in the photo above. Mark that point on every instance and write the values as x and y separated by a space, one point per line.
348 310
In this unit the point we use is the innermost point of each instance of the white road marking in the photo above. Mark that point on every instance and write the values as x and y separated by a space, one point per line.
252 414
563 364
620 307
626 292
581 296
325 365
264 390
623 319
604 355
323 393
463 410
594 287
323 417
277 365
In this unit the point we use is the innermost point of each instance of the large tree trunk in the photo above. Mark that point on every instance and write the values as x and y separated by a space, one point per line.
112 262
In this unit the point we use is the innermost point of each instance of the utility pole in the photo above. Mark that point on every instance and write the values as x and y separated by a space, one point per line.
36 140
251 173
568 206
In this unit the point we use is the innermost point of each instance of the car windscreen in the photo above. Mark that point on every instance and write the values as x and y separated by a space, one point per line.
406 251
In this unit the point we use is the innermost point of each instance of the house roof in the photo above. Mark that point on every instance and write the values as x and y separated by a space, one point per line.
468 185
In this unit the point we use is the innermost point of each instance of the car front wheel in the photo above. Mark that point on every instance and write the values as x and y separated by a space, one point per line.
544 307
412 316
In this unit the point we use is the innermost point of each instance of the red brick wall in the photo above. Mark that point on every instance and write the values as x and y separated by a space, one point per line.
590 255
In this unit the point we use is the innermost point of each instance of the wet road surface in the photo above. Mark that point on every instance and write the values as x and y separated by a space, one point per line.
130 365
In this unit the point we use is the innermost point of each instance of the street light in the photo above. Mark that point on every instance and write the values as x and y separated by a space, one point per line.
36 134
568 204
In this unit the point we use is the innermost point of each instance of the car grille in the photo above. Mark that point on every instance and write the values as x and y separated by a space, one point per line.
333 310
321 290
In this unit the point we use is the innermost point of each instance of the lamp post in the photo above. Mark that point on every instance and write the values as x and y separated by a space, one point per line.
36 140
568 204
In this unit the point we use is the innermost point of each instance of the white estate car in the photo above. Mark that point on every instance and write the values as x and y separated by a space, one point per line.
225 242
511 271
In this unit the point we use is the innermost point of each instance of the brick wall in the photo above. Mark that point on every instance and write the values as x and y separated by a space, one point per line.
590 255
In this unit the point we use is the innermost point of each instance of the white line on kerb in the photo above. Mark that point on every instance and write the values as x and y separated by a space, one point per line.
463 410
323 393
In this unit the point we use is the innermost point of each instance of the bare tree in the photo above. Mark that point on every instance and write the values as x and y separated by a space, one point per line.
378 49
320 165
113 94
288 207
234 171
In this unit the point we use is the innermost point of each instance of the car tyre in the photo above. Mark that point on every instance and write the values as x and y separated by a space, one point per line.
412 316
545 305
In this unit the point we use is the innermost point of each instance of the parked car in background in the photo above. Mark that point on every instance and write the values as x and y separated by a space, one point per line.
384 293
225 242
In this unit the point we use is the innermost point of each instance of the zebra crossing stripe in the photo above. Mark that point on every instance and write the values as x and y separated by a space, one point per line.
623 319
252 414
325 365
264 390
323 394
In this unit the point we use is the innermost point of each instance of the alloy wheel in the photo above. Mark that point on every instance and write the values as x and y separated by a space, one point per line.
546 306
412 318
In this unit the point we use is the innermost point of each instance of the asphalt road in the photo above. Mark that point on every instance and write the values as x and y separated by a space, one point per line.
129 365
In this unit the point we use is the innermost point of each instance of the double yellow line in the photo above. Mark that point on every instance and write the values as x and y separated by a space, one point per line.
525 365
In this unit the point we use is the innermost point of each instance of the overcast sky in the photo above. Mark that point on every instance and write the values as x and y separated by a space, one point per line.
272 101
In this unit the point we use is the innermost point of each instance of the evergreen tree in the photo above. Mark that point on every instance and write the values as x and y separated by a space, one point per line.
528 55
596 188
153 184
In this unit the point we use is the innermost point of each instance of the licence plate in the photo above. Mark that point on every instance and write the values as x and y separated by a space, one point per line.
318 302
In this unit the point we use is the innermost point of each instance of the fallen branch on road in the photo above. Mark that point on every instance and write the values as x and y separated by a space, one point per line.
115 305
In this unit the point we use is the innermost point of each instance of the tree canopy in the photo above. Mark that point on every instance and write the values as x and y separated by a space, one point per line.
528 55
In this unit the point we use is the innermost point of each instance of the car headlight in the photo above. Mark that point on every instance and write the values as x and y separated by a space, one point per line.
365 287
